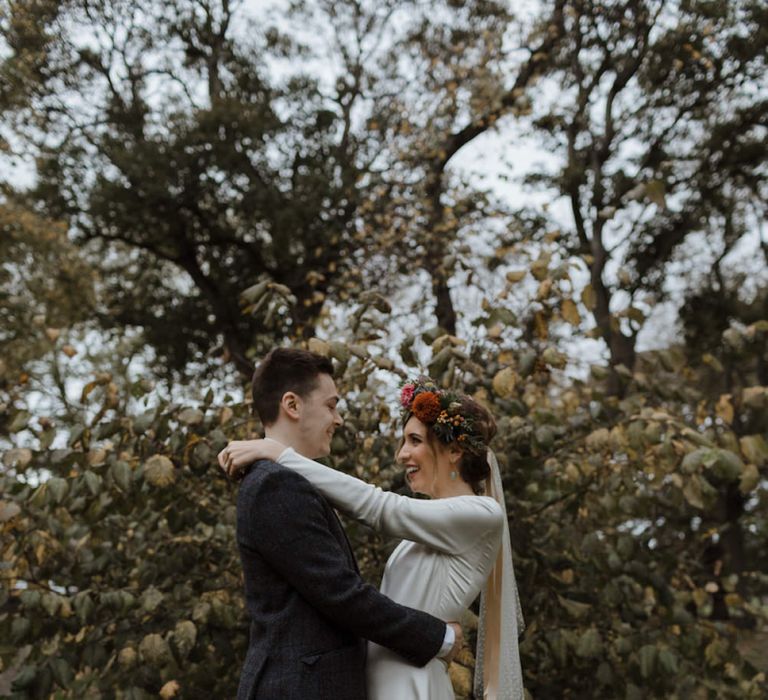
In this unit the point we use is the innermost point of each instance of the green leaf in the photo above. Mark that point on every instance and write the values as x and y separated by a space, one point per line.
19 421
590 644
339 351
25 677
84 606
692 492
646 659
20 626
8 511
76 435
712 361
750 478
183 638
406 352
439 362
668 661
92 481
127 657
755 449
574 608
722 463
693 460
725 464
62 672
127 600
122 474
500 314
191 416
202 457
252 294
154 650
655 190
17 458
58 488
605 675
51 603
143 422
751 647
30 599
319 347
151 599
39 496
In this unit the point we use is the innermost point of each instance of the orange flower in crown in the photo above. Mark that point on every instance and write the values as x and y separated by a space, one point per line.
426 407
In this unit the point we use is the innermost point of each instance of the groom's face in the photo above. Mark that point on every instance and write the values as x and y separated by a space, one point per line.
319 417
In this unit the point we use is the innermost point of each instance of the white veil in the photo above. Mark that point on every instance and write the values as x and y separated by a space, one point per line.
498 674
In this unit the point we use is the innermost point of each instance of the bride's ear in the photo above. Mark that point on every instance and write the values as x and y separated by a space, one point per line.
290 404
454 454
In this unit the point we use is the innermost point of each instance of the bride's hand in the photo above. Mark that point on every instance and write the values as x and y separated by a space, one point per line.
238 454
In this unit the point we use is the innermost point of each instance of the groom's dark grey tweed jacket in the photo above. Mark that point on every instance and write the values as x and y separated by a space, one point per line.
309 608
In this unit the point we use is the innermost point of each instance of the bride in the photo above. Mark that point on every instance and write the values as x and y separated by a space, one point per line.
455 545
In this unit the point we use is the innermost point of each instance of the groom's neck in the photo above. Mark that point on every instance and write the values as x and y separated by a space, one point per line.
289 438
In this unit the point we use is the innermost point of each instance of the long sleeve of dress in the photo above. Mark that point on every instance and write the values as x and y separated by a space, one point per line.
449 525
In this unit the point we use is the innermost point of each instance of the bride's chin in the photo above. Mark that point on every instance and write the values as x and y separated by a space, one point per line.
414 488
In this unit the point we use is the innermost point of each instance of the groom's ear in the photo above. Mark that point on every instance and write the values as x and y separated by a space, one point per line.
291 404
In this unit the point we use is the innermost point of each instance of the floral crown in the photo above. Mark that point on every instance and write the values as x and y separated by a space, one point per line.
441 411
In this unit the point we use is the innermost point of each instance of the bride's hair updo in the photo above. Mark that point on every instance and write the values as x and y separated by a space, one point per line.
473 467
451 417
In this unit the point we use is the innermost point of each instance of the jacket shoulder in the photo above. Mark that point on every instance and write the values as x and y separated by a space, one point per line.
266 477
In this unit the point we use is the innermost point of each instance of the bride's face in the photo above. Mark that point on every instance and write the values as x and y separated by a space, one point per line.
418 457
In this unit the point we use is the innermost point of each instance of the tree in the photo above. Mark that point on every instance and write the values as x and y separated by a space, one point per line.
654 114
186 173
612 511
464 75
45 286
636 492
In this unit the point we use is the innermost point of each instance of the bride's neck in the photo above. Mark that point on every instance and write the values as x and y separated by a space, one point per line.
459 487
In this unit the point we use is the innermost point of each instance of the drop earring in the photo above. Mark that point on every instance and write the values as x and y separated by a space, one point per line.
453 475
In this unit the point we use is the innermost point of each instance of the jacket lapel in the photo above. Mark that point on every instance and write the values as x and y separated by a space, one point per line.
341 535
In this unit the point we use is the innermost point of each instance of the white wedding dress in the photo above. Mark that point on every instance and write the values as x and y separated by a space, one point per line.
449 547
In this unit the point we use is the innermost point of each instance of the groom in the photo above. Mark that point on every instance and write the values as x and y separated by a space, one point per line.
310 610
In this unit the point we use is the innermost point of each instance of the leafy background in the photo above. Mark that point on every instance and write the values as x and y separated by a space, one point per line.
210 178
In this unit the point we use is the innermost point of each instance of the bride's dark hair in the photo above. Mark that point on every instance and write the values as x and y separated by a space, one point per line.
473 467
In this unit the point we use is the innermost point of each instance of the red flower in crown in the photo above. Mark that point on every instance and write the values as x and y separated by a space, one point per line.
406 395
426 407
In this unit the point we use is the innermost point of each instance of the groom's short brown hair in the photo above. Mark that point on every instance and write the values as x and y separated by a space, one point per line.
282 370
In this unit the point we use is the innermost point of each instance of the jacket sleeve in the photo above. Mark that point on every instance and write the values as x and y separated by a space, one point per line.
450 525
286 522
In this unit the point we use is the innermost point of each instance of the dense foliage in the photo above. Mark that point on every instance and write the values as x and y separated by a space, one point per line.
202 192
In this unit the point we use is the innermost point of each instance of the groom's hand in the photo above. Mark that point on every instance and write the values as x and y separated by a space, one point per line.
458 642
